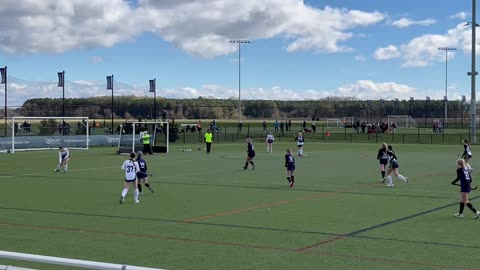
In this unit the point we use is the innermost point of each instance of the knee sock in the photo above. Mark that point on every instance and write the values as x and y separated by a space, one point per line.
246 165
390 180
402 177
462 205
469 205
289 180
139 187
383 174
293 178
65 167
124 192
251 162
135 194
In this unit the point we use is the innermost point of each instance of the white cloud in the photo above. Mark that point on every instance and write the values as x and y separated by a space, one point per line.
198 27
462 15
404 22
361 89
423 50
388 52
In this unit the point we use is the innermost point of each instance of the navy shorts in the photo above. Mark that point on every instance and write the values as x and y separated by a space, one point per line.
393 165
465 187
270 141
290 167
384 161
251 154
142 174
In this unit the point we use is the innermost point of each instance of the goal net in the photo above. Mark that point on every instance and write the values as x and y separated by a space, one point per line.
402 121
42 133
131 134
333 122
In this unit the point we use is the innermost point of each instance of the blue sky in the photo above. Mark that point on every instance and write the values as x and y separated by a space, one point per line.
370 49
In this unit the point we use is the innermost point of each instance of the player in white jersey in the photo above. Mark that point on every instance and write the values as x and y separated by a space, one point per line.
269 140
467 155
300 140
63 158
130 166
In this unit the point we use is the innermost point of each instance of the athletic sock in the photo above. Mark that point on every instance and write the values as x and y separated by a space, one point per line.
124 192
383 174
251 162
135 194
402 177
390 180
65 167
139 187
293 178
246 165
289 180
469 205
462 205
147 185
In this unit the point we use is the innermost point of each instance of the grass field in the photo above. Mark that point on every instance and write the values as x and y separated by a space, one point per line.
209 213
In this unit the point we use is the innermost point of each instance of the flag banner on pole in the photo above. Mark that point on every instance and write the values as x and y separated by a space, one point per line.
152 85
109 82
61 79
3 71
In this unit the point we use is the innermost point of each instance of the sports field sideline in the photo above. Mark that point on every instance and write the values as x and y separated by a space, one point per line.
209 213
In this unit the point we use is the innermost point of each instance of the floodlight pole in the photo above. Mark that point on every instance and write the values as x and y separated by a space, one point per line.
6 107
445 100
473 73
239 42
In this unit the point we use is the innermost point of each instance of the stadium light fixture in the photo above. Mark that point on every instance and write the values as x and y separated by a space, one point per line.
445 101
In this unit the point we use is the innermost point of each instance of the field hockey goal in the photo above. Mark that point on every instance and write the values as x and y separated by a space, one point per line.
334 122
42 133
402 121
131 135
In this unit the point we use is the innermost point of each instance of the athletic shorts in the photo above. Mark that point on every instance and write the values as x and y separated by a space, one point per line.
465 188
393 165
142 175
270 141
290 167
383 161
251 154
130 181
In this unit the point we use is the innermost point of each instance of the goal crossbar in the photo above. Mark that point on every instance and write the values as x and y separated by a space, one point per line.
69 262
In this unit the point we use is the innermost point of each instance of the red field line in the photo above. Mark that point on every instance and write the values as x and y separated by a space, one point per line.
320 243
266 205
347 256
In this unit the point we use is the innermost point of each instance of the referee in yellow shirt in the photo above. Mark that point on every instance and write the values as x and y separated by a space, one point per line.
208 140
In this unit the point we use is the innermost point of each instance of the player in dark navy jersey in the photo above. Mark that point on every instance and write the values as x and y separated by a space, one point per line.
463 175
467 154
290 165
142 174
382 156
392 158
250 154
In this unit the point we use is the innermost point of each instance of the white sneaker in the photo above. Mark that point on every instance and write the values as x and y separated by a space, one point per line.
477 215
458 215
390 185
137 201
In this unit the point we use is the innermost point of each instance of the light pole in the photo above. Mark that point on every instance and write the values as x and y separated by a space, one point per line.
239 42
445 113
153 89
427 100
473 73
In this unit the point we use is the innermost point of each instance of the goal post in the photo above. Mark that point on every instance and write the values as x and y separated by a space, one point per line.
402 121
44 133
131 134
334 122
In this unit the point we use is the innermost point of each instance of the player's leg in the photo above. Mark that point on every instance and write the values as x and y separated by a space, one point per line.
251 161
476 213
65 164
292 177
389 178
135 192
147 184
139 186
124 191
401 177
382 171
247 160
289 176
463 201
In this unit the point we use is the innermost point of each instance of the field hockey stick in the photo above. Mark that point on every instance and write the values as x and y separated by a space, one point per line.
472 188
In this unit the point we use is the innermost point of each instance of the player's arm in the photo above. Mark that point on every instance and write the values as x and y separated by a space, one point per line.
465 153
124 165
459 176
60 157
379 154
137 168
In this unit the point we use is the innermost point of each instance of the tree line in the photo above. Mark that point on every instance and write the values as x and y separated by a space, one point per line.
206 108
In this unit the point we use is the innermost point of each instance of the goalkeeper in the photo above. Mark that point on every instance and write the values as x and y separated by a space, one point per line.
145 139
63 158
